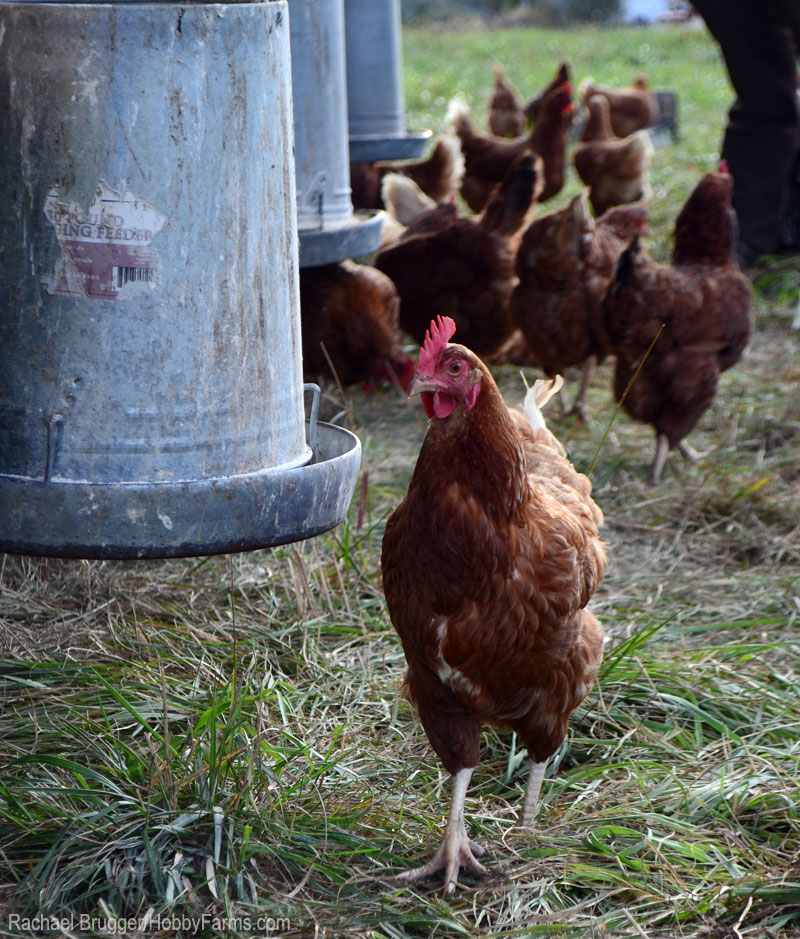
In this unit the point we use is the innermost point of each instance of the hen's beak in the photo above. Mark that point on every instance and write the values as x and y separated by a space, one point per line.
418 385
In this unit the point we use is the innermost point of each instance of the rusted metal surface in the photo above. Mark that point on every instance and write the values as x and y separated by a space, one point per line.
149 300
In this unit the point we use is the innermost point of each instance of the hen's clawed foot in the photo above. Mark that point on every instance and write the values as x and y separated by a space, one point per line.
455 851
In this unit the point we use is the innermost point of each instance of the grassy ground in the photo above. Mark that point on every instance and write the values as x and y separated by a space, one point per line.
219 745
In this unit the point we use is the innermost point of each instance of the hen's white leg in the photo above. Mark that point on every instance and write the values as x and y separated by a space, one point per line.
562 402
529 806
688 452
662 449
456 850
587 370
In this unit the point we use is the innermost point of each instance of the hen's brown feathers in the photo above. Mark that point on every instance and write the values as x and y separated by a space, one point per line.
565 263
464 267
349 315
506 117
487 159
438 175
630 109
704 303
488 564
615 169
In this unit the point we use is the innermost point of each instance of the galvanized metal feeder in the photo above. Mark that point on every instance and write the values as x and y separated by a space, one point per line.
151 394
375 95
329 229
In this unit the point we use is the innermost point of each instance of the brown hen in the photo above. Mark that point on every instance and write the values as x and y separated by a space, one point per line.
630 109
565 263
438 176
349 320
696 313
562 77
615 169
464 267
487 159
506 117
488 565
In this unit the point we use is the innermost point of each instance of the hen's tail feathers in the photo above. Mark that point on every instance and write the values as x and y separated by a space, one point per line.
536 397
586 87
510 200
582 217
646 144
626 264
403 198
449 162
458 117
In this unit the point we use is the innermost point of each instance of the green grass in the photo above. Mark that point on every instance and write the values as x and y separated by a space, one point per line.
220 744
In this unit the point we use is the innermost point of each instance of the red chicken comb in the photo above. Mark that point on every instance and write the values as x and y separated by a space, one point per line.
438 335
723 167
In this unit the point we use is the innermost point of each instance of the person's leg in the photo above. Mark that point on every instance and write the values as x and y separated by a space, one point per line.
760 139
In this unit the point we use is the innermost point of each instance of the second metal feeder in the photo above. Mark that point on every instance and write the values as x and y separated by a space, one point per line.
375 97
328 228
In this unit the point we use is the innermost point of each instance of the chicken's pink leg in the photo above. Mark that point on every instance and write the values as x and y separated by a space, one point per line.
456 850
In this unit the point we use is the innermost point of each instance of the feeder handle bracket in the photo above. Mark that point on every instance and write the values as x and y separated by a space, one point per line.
312 420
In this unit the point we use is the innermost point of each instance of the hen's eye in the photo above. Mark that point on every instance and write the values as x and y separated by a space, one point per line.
454 368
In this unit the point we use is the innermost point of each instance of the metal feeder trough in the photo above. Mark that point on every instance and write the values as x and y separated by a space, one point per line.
151 393
329 230
375 96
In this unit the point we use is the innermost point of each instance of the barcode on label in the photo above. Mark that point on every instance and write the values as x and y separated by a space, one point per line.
128 275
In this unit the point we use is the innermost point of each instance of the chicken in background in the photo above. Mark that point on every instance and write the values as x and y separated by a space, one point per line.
438 176
488 565
565 262
562 77
487 159
349 320
405 202
630 109
616 169
464 267
675 327
506 116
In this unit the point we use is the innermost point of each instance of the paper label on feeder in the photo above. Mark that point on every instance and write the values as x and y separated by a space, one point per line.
104 249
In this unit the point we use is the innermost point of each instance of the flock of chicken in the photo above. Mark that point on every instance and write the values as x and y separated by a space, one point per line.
490 561
559 290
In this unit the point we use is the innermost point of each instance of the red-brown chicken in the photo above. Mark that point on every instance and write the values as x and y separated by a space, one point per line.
438 176
615 169
565 263
562 77
464 267
349 320
488 565
630 109
487 159
506 117
704 304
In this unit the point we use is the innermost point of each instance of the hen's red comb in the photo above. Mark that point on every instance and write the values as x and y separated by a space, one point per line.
723 167
436 338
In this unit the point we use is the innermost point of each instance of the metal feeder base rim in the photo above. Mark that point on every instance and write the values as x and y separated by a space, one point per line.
364 148
190 519
360 236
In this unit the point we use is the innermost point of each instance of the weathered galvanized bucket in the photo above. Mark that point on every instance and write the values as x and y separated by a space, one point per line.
151 394
329 229
375 97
